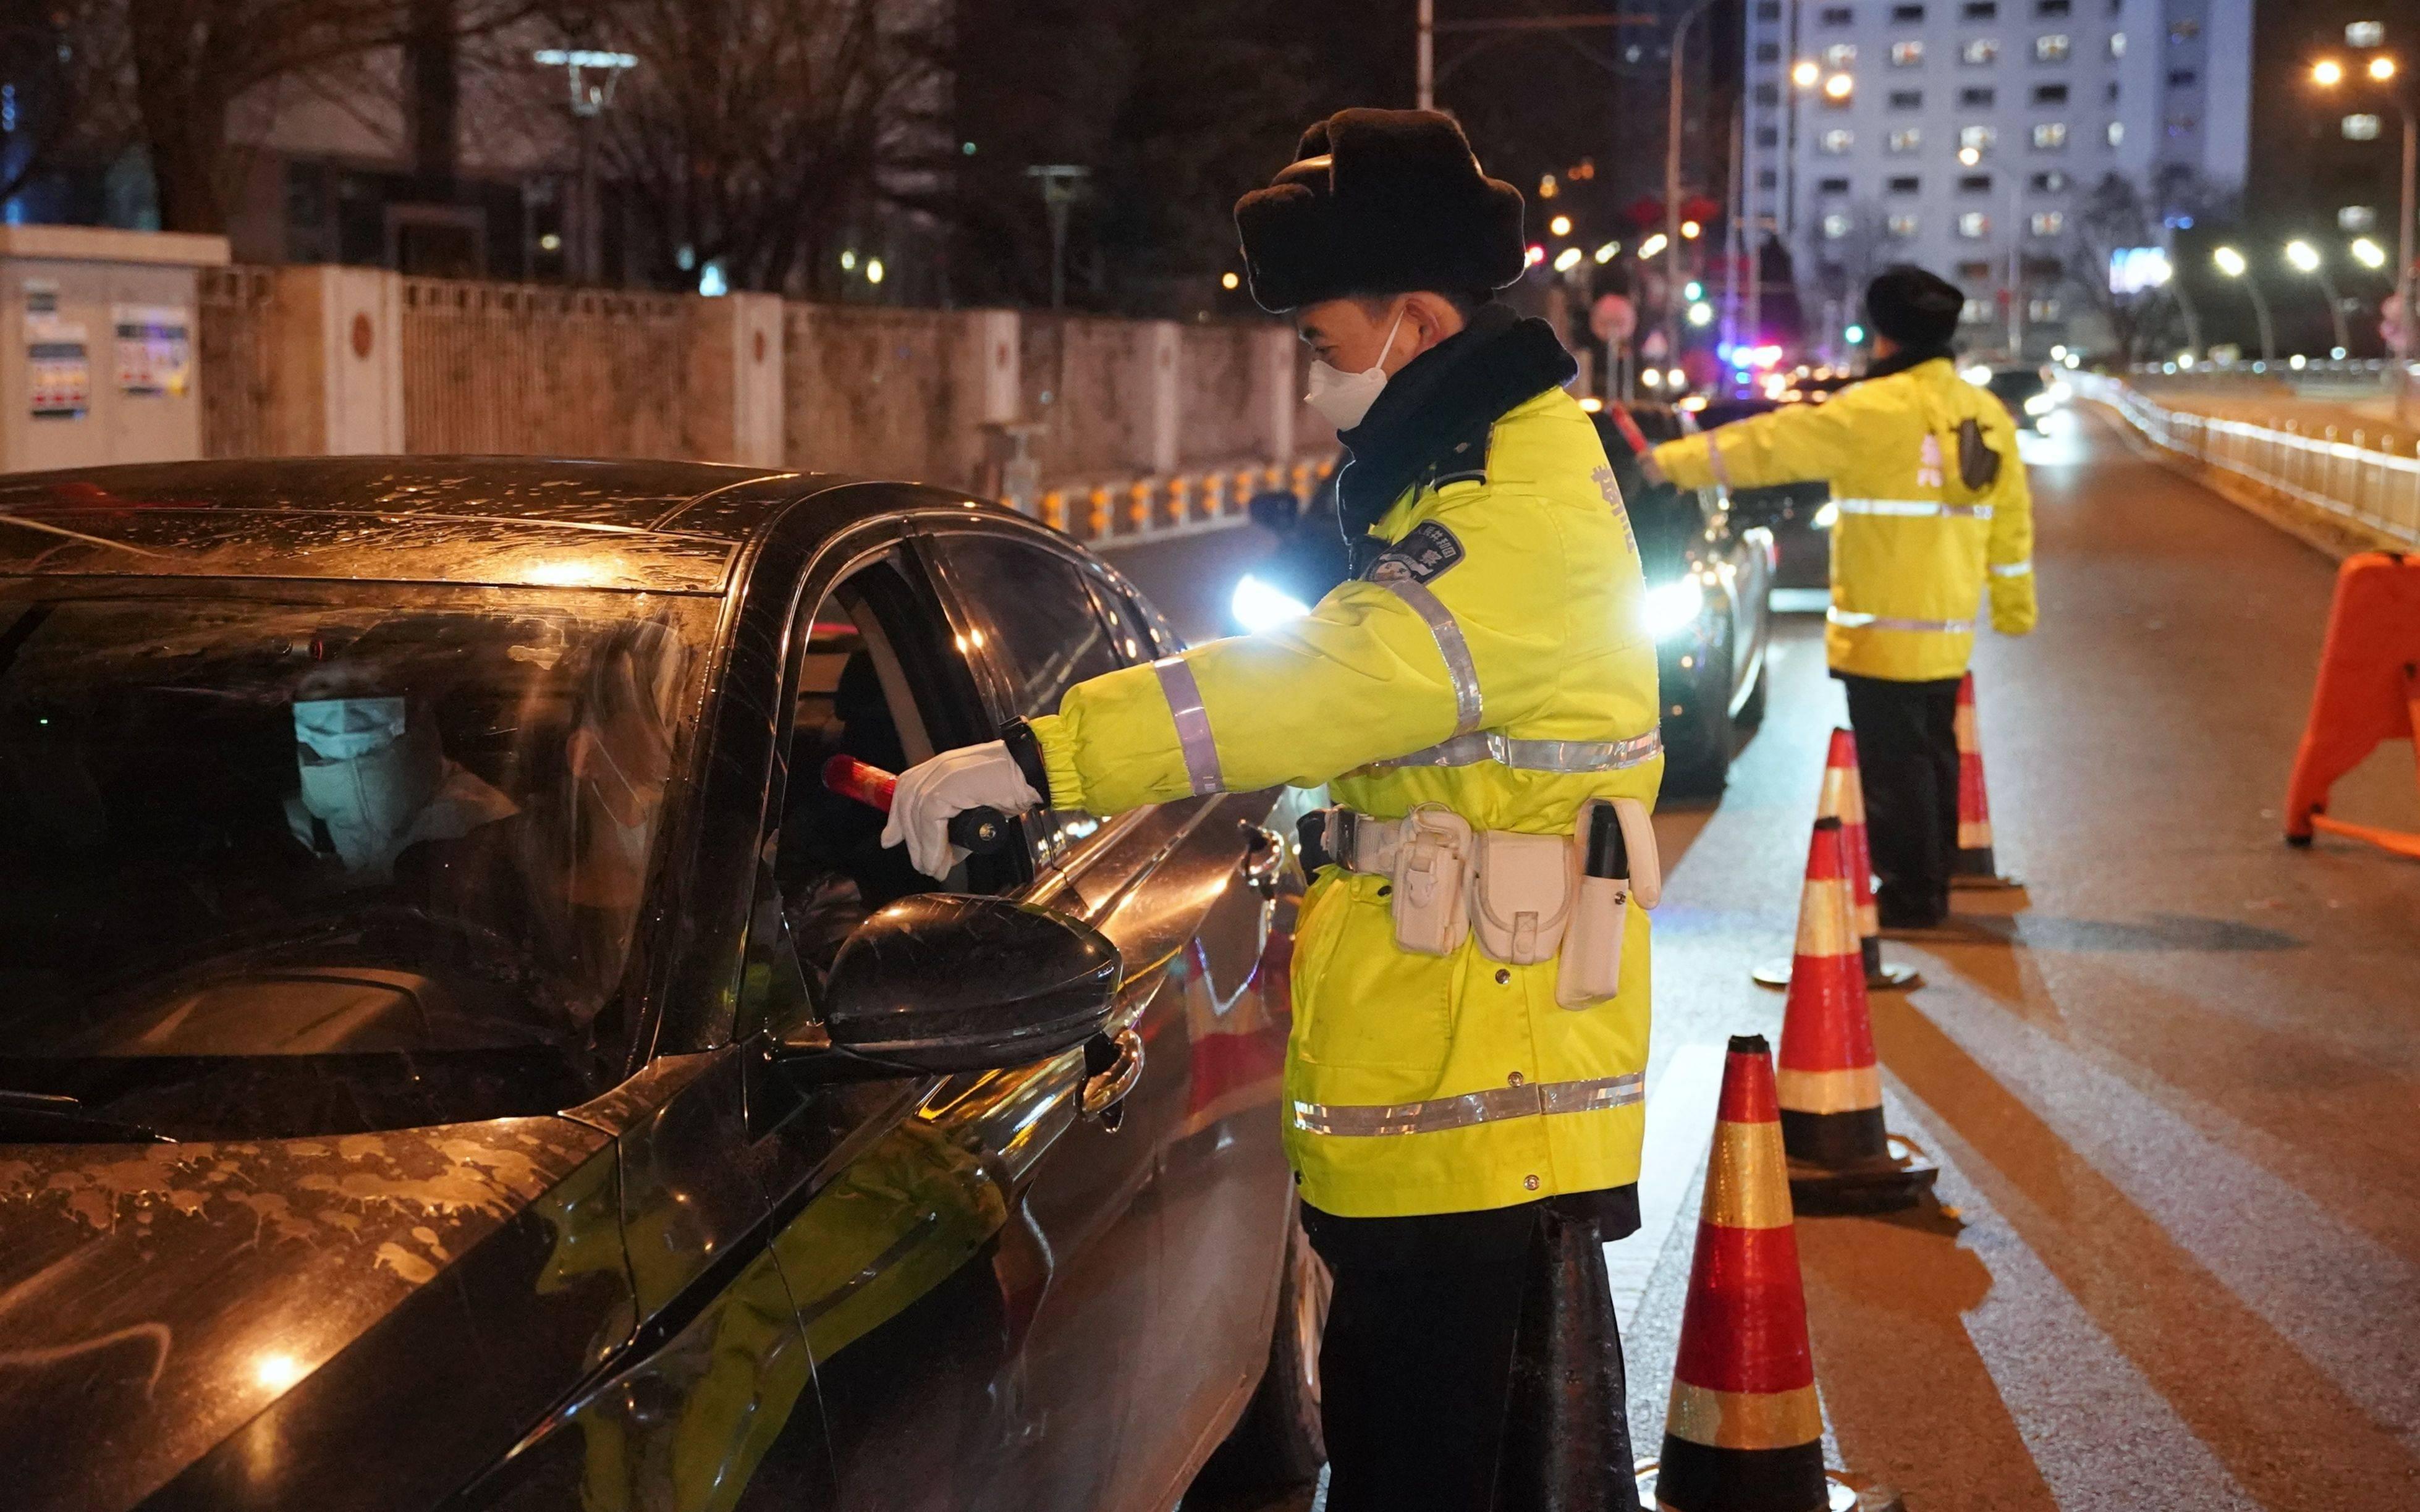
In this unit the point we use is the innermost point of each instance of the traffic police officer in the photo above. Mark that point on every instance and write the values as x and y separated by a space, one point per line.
1482 687
1932 505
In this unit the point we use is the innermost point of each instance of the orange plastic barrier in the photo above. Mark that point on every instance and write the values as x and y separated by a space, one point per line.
2368 691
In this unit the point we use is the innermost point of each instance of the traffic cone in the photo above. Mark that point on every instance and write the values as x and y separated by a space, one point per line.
1744 1432
1844 798
1975 866
1831 1089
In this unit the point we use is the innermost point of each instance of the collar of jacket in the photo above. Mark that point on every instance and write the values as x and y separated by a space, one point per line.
1907 357
1458 387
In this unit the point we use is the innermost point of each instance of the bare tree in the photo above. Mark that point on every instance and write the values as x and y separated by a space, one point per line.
749 130
2115 214
68 64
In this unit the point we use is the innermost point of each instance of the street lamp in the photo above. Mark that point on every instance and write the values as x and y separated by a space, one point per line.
2368 253
2230 262
1672 175
2327 73
2305 258
1838 86
1804 73
1561 225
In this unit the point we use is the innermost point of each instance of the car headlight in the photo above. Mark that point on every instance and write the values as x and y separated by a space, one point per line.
1826 517
1673 607
1258 607
2039 404
2061 391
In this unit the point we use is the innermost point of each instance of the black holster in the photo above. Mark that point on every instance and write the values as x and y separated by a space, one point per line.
1566 1446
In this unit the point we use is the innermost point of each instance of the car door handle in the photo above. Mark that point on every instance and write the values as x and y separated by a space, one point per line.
1264 859
1104 1089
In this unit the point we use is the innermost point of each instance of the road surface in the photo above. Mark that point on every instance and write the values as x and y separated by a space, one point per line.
2171 1087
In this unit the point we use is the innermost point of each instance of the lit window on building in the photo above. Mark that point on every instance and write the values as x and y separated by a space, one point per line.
1835 227
2050 136
1902 225
1907 55
1975 313
2049 222
2360 128
2041 311
1974 226
2050 47
1907 100
1907 139
1838 140
1982 138
2117 44
2116 133
1980 51
2052 182
1840 56
2357 218
2183 31
2366 34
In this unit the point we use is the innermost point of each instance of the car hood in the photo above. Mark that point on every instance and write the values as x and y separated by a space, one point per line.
153 1298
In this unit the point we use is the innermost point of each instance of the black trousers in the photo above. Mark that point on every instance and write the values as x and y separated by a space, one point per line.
1907 754
1417 1363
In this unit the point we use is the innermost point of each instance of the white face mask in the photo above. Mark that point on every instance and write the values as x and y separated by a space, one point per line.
362 775
1344 398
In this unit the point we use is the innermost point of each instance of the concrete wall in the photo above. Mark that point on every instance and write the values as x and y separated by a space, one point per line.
902 393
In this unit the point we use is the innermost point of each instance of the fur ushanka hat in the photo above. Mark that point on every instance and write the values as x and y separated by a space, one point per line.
1380 202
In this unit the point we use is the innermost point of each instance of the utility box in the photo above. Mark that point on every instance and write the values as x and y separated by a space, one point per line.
98 346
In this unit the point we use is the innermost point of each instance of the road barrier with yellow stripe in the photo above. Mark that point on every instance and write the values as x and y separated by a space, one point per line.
1184 503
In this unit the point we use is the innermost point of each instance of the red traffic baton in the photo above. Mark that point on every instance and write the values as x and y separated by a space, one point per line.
978 831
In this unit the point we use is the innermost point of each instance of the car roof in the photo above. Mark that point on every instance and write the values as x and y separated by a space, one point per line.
670 526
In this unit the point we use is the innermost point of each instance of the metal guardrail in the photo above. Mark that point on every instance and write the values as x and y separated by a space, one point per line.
2356 483
1133 510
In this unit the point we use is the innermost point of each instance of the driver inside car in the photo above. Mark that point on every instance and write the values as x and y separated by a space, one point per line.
375 781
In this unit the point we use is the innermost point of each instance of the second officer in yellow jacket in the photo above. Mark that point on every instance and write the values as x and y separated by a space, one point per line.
1474 697
1932 507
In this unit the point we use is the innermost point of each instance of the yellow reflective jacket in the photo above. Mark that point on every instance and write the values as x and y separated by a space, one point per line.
1913 546
1491 659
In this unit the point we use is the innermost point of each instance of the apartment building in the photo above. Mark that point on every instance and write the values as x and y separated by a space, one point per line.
1963 134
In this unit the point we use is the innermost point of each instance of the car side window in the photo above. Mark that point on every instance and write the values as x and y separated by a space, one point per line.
1035 609
1139 631
877 684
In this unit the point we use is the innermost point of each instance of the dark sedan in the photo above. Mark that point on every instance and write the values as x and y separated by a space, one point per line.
454 1053
1708 572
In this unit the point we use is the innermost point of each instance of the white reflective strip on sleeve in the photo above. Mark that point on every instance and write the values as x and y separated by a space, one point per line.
1459 669
1365 1121
1534 755
1914 508
2014 569
1849 620
1183 697
1715 461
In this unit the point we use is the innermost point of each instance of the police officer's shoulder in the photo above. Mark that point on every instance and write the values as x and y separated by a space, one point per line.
1532 446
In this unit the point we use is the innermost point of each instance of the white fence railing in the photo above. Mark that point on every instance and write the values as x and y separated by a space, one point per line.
2358 483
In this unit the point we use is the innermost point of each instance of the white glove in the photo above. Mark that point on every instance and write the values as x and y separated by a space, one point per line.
931 794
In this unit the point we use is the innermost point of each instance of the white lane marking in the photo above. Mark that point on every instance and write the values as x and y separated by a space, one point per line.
2342 1298
1680 1125
2098 1431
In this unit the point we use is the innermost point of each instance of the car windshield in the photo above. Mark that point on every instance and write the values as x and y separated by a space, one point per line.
244 831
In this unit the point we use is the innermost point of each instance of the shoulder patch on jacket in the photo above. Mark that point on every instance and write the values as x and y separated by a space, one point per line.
1426 550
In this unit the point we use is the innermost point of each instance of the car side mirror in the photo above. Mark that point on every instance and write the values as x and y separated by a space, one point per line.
951 982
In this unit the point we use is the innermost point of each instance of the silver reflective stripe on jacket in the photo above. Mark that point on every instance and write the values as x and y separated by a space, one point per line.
1183 697
1714 464
2013 569
1534 755
1362 1120
1914 508
1849 620
1459 668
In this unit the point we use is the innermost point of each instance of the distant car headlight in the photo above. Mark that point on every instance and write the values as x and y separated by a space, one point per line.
1977 375
1673 607
1258 607
2061 391
2040 403
1826 517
